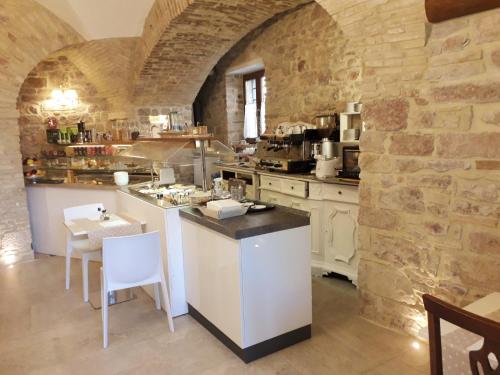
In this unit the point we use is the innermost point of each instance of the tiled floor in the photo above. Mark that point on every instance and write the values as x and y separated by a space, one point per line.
45 329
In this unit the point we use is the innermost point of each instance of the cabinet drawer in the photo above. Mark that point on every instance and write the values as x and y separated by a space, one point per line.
270 183
294 187
334 192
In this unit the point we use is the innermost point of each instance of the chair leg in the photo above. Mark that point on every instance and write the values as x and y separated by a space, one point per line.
69 250
85 276
157 296
104 310
166 300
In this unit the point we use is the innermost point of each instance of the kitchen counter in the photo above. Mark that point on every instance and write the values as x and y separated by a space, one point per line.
292 176
73 186
146 198
251 224
248 278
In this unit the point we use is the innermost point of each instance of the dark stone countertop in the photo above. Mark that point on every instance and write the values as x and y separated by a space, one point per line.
252 224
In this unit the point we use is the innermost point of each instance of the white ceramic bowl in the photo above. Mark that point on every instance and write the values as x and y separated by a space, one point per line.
121 178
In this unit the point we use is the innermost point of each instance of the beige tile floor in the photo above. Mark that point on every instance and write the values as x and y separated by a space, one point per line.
45 329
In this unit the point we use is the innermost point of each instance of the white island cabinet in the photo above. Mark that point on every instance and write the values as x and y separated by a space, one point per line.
248 278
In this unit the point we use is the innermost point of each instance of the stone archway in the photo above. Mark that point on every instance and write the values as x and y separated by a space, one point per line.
29 34
387 39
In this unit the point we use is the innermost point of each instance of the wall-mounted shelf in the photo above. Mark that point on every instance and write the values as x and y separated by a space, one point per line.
350 121
102 144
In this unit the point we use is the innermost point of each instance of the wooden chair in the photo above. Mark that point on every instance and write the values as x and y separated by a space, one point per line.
486 328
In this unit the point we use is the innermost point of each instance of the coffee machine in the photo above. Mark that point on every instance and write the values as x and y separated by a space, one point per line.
284 153
294 152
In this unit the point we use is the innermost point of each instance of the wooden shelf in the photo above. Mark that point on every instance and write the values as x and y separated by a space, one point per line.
187 137
124 143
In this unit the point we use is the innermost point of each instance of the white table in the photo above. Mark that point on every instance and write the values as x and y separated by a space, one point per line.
95 229
82 227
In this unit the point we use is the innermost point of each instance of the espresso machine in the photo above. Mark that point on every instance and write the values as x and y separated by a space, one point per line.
284 153
293 153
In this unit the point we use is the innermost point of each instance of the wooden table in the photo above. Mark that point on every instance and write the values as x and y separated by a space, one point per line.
95 229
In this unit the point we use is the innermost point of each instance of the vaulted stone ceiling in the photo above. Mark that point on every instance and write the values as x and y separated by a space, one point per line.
181 42
178 60
108 64
97 19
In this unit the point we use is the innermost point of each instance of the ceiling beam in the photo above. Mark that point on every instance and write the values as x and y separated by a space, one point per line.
442 10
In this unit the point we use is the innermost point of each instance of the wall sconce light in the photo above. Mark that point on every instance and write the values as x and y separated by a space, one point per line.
62 100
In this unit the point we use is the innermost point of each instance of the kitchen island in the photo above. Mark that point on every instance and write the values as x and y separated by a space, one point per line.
248 278
333 204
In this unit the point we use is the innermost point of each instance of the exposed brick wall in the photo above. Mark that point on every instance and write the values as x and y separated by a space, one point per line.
185 113
108 65
307 72
28 34
429 211
192 42
37 88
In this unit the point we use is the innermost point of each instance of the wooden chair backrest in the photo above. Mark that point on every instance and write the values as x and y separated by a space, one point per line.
484 327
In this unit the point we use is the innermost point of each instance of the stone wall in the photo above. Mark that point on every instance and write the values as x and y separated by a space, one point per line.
29 33
36 90
430 190
307 72
429 215
184 39
108 65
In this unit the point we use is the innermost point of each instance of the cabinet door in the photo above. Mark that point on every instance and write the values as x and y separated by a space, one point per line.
341 231
316 210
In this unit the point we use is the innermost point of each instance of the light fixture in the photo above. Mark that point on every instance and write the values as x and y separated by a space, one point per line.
63 98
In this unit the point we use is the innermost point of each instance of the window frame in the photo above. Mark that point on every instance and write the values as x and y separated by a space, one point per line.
258 75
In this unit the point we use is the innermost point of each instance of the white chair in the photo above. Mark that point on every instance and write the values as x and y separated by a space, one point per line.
81 245
131 261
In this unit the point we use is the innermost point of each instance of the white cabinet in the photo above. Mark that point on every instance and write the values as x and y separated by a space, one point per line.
296 188
334 219
315 208
275 198
340 238
253 289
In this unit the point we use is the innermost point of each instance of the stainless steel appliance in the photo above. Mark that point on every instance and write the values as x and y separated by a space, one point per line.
288 153
327 148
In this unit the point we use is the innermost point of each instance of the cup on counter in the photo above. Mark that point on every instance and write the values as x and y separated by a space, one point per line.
121 178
